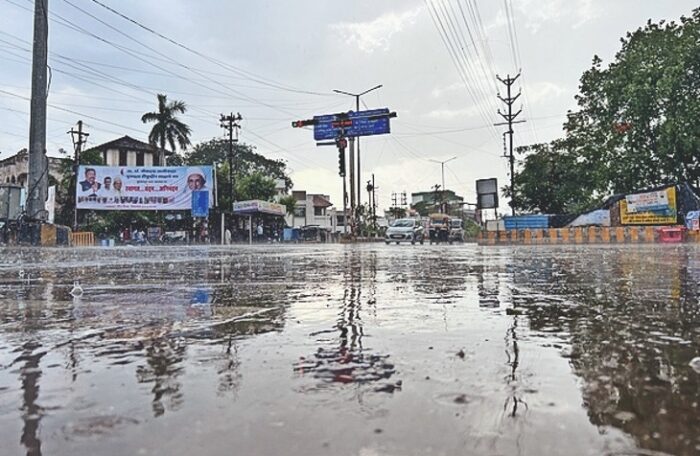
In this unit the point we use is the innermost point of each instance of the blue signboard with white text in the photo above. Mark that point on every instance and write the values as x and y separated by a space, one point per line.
200 203
360 123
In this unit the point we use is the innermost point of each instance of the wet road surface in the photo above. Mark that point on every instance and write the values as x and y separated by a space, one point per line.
350 350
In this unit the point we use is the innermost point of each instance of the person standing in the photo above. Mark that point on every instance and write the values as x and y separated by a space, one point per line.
260 232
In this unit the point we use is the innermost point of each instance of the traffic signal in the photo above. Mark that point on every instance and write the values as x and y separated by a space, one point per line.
341 162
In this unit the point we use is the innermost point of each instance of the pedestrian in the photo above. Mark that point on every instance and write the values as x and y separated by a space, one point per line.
227 236
260 232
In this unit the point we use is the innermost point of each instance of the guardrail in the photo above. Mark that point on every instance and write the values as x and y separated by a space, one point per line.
83 239
578 235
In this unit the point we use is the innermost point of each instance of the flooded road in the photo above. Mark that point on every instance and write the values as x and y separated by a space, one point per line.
350 350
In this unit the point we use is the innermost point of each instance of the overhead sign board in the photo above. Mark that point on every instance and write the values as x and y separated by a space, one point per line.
360 123
142 188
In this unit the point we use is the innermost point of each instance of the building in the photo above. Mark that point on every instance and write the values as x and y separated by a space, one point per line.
15 169
312 209
127 151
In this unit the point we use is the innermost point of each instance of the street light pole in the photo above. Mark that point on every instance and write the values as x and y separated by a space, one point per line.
442 165
357 140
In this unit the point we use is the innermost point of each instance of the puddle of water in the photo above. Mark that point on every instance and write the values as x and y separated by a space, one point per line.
351 350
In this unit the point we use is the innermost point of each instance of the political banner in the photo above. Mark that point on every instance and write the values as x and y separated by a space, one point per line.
649 208
157 188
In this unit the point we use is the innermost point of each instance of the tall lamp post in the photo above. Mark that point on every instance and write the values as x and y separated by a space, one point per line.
357 140
442 165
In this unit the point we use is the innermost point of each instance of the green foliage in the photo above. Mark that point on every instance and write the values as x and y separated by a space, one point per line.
255 186
551 181
247 162
289 203
637 124
167 127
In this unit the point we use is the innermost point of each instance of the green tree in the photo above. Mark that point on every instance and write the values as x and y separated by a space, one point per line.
167 127
551 180
637 124
255 186
289 203
246 162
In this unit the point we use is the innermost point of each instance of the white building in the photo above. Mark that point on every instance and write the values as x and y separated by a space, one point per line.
312 209
127 151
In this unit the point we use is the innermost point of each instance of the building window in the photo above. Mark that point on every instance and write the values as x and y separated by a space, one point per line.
123 158
319 211
139 158
300 211
156 159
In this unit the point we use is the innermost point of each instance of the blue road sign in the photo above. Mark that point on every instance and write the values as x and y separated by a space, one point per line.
361 123
200 203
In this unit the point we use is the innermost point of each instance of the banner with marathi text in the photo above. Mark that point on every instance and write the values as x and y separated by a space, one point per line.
141 188
650 208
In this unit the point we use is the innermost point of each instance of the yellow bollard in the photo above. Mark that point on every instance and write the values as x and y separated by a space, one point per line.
578 235
634 234
527 237
565 235
620 234
605 234
592 238
491 237
513 236
539 236
553 235
648 234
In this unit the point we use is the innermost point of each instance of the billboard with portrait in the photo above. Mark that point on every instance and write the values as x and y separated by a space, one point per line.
158 188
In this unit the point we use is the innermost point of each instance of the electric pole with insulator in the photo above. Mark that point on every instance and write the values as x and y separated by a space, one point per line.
231 124
509 121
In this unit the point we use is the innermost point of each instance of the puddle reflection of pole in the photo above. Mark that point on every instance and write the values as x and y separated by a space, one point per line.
513 362
31 412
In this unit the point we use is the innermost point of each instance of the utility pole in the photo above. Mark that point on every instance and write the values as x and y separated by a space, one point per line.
374 204
231 124
351 161
356 140
510 120
78 141
38 179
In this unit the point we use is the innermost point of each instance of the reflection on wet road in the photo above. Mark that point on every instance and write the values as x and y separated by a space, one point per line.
350 350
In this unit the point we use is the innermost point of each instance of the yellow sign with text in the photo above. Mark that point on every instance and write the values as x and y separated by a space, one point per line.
660 216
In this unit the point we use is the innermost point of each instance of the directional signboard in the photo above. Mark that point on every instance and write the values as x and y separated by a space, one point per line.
360 123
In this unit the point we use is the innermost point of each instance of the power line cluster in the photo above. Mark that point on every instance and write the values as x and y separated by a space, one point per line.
461 29
160 63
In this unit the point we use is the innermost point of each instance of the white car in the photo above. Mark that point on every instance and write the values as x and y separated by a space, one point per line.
404 230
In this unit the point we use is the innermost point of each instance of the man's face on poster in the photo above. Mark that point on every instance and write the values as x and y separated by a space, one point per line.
90 176
195 182
108 183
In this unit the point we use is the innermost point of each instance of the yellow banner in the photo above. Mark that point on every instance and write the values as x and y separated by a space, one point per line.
667 217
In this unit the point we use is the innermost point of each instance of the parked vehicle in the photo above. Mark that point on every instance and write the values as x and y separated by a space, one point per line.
404 230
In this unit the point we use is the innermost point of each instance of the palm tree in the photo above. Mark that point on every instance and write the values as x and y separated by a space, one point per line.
168 128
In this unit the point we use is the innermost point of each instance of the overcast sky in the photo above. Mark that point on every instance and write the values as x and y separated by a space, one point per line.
278 61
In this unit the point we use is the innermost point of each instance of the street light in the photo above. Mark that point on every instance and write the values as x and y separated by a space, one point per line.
442 164
357 108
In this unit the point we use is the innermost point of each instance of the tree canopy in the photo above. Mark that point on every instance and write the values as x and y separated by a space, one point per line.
637 124
254 175
168 128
